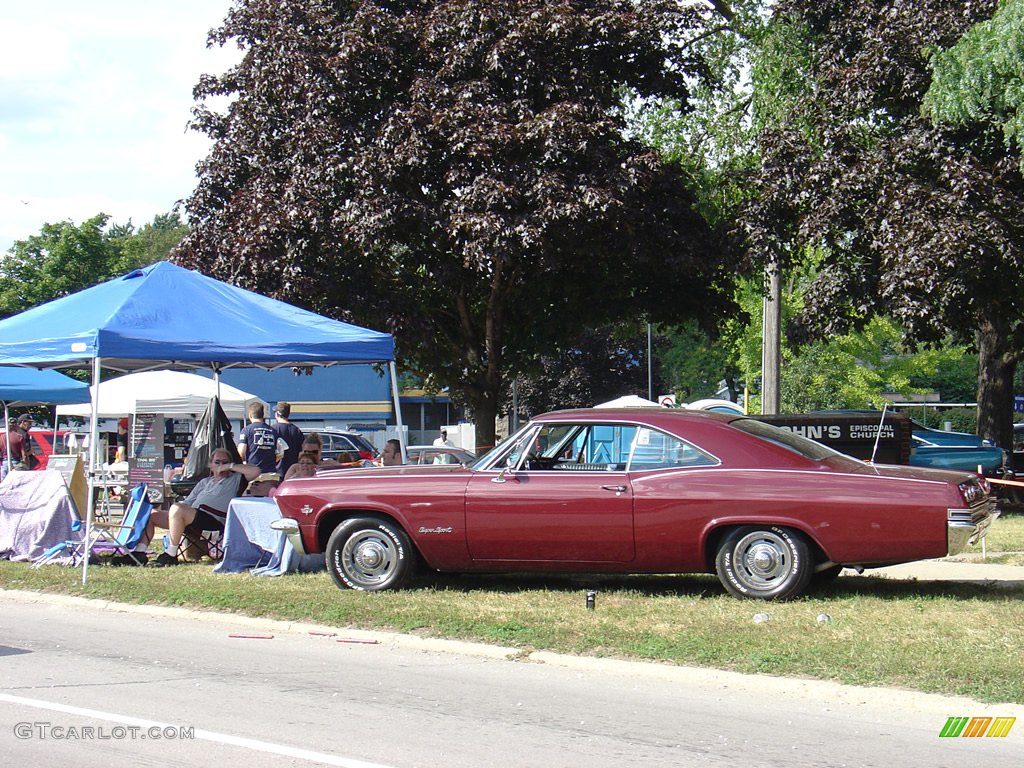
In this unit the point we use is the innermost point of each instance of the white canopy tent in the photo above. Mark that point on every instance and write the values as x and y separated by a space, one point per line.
171 393
629 401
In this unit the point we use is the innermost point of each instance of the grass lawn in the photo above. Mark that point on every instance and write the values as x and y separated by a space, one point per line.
939 637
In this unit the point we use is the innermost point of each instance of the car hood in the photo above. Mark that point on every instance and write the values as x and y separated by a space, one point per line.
403 470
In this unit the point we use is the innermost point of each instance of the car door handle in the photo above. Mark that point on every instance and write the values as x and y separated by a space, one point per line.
616 488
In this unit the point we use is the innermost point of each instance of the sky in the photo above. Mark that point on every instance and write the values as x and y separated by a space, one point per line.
95 99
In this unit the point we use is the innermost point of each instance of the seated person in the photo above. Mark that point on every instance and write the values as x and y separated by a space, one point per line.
392 453
263 485
215 492
312 446
304 467
349 459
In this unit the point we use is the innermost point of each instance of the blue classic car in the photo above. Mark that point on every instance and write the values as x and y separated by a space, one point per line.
956 450
992 459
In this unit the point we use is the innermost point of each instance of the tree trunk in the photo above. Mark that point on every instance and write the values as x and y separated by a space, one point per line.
997 363
484 404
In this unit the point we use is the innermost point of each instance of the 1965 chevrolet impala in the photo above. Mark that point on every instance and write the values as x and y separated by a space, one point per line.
638 491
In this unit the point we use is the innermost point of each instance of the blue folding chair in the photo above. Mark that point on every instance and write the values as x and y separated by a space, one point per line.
108 537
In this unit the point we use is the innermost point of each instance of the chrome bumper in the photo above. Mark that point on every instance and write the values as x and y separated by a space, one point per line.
290 528
965 527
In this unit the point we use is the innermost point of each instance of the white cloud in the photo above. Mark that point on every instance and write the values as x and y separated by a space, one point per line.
97 96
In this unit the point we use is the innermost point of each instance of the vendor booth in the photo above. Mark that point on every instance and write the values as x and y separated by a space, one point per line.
167 317
163 406
20 386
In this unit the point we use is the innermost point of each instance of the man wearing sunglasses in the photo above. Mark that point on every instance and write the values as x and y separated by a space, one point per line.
206 507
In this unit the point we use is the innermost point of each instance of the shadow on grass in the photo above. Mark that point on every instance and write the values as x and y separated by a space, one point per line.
900 589
706 586
684 585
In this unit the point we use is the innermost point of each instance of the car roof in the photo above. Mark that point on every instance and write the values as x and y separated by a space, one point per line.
649 415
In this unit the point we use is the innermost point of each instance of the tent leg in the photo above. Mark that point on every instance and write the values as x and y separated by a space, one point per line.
398 411
94 456
7 436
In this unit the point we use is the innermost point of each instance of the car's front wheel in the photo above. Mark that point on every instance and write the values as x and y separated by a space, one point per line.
764 562
369 554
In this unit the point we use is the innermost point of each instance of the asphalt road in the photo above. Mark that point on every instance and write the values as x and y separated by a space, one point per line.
90 684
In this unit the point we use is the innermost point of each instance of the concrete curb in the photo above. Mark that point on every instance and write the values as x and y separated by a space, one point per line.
1004 576
875 701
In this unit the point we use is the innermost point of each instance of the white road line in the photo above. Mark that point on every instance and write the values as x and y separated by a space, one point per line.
222 738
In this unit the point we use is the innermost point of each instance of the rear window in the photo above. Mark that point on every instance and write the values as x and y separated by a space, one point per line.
791 441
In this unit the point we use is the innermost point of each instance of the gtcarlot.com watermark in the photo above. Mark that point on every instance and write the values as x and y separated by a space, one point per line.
51 731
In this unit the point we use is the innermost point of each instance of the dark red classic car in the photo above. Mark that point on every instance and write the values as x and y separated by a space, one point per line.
638 491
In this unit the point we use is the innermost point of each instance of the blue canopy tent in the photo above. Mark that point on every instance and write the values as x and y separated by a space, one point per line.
22 386
167 317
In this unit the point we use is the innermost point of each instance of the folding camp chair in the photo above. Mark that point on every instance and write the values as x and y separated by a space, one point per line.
108 537
122 538
209 542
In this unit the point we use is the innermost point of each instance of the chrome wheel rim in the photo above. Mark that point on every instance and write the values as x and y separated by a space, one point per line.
369 557
763 558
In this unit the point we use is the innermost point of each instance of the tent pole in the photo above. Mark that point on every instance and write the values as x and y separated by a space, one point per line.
7 436
94 455
398 411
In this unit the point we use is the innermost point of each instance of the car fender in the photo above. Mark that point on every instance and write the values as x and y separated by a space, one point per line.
439 547
716 529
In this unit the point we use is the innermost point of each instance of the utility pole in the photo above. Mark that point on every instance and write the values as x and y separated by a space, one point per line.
650 366
770 347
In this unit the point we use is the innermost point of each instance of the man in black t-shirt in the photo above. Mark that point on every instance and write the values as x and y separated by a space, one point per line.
258 444
288 432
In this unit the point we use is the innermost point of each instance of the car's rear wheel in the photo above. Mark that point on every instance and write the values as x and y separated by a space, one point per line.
369 554
764 562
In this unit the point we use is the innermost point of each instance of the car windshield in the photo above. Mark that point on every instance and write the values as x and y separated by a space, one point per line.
791 441
496 455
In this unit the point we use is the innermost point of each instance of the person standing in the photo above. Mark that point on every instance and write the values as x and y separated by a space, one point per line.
443 439
258 444
288 432
28 459
122 441
14 440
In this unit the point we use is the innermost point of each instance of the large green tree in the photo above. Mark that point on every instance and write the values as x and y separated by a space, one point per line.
152 242
66 257
457 172
915 221
602 364
980 79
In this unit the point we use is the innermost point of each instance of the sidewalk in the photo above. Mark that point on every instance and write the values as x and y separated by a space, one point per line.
949 570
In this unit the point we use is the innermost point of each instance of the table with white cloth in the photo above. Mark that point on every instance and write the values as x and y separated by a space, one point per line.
250 542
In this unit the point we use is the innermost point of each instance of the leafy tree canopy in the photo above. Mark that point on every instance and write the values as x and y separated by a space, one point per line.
603 364
980 79
916 222
457 172
65 258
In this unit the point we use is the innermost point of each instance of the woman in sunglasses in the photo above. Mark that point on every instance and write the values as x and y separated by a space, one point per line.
305 466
